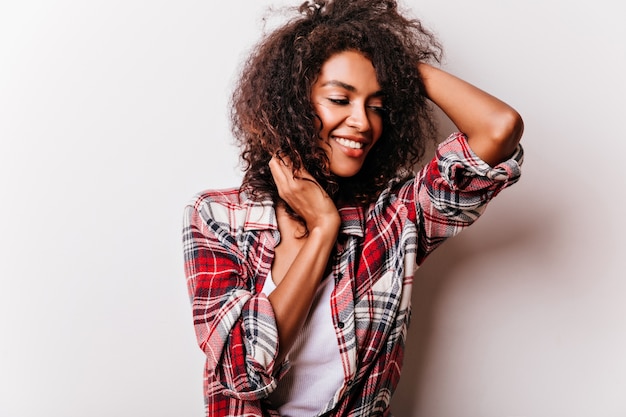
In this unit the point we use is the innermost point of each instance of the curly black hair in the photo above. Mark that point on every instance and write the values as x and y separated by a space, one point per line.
272 109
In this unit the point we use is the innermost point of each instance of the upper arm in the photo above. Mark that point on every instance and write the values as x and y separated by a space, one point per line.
235 327
452 191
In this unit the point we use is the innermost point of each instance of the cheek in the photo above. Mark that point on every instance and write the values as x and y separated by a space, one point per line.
325 121
377 128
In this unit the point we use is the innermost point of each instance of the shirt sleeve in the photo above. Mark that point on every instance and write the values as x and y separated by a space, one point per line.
452 191
235 327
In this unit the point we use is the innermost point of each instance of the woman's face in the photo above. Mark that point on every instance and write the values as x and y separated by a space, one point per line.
348 100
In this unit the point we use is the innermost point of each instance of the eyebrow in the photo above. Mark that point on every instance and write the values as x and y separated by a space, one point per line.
351 88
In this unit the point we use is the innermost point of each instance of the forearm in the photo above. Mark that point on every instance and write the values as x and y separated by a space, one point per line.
493 128
234 326
292 298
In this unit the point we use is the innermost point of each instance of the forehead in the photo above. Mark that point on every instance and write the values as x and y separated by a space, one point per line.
349 68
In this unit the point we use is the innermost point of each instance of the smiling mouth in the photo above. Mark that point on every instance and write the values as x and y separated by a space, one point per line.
349 143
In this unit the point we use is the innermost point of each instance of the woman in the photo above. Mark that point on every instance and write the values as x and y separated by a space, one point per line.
300 279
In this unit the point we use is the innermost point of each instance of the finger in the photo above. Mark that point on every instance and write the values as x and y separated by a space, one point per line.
281 163
278 165
279 155
281 173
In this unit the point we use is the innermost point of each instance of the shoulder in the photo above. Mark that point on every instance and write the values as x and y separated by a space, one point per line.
232 207
227 197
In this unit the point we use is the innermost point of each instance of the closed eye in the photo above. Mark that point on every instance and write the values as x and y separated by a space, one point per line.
379 109
339 101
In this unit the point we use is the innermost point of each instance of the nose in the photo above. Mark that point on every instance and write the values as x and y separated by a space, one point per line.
358 118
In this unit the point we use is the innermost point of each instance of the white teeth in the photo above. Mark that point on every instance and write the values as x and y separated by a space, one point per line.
349 143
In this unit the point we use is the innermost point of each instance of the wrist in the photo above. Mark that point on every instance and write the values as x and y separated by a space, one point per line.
326 230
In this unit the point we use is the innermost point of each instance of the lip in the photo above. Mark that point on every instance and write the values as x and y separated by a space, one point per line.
351 152
352 138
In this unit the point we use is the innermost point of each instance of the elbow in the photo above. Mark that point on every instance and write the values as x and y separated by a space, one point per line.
498 136
506 131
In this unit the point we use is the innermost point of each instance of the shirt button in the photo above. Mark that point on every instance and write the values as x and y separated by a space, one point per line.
339 275
340 325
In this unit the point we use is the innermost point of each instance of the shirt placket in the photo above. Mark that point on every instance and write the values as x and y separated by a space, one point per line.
343 311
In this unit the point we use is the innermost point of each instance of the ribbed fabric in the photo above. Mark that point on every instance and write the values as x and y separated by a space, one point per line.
316 372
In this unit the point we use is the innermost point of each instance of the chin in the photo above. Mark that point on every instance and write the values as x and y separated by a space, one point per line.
345 172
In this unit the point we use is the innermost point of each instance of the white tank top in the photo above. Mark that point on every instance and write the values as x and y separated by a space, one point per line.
316 371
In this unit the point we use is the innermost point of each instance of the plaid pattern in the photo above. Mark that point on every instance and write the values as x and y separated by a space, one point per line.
229 245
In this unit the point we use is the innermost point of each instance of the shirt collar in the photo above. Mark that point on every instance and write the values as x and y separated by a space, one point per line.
261 215
352 220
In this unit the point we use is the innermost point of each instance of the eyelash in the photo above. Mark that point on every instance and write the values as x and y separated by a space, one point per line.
343 102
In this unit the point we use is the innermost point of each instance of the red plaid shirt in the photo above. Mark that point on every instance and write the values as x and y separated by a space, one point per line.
229 243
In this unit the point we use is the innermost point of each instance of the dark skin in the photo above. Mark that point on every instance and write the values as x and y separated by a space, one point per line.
299 262
351 126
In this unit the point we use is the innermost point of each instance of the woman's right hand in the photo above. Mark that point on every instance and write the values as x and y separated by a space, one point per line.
305 196
299 261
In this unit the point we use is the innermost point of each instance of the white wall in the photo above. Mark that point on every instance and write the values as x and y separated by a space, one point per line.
113 113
